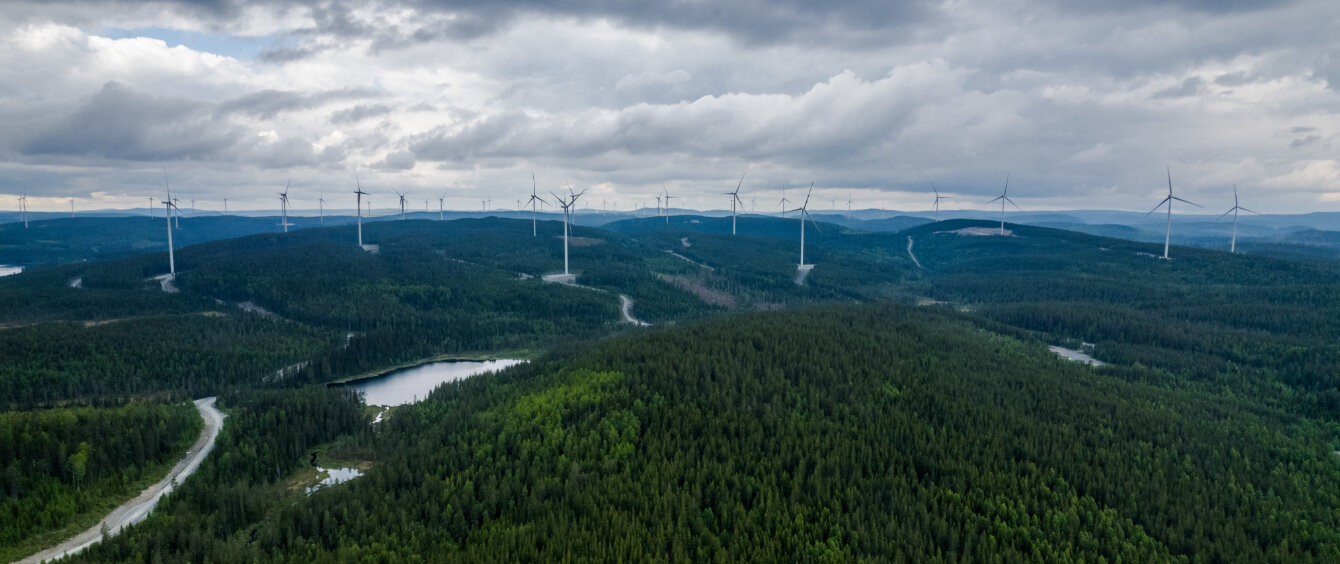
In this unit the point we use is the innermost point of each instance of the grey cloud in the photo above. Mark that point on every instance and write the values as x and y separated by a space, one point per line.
121 123
359 113
1235 79
1189 87
268 104
398 160
1304 141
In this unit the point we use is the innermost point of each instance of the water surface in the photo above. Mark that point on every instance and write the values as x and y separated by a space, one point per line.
409 385
6 270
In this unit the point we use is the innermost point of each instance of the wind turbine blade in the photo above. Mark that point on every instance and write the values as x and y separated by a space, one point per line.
1014 204
997 198
1007 185
1247 210
1230 210
737 186
1185 202
1156 208
1170 180
807 197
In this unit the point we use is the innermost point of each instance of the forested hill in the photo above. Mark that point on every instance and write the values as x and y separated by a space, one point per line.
838 434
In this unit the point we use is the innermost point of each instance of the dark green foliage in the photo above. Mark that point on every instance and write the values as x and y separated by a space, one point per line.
69 464
190 354
838 434
265 437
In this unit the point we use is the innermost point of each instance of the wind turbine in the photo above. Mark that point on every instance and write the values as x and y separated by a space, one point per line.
667 206
805 214
168 205
72 207
440 206
225 206
151 207
658 205
938 197
1003 197
784 202
1167 235
532 202
402 204
567 207
849 202
320 204
23 208
1233 247
283 207
734 198
175 216
359 194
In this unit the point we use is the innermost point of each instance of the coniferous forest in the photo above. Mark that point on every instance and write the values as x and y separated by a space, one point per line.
887 409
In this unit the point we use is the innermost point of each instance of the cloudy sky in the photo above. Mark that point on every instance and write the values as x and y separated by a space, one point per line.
1081 103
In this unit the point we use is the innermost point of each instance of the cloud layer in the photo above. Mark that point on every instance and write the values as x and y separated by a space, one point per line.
1083 104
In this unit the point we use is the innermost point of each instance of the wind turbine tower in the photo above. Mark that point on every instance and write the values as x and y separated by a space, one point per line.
1003 197
402 204
283 207
23 208
359 193
734 199
803 215
320 205
440 207
938 197
1233 247
784 202
566 204
667 206
532 202
1167 234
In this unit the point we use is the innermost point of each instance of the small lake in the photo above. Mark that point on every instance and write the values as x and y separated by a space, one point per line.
6 270
409 385
333 476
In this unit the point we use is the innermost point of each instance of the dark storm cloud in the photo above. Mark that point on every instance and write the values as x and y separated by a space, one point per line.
120 123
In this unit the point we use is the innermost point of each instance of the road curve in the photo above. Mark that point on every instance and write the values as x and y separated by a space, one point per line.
626 308
909 252
137 509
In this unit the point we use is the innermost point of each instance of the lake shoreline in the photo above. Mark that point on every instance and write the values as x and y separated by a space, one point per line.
481 357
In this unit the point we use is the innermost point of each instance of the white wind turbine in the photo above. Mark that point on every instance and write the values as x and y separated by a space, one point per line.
567 210
283 207
359 193
938 197
441 206
23 208
735 198
849 203
151 207
402 203
320 203
1167 234
803 215
667 205
168 206
1003 197
534 201
782 204
1233 247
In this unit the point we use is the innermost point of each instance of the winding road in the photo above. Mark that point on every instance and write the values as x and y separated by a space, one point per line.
909 252
137 509
627 311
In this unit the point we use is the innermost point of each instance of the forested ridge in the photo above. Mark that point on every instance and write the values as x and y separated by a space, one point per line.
837 434
72 465
870 431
